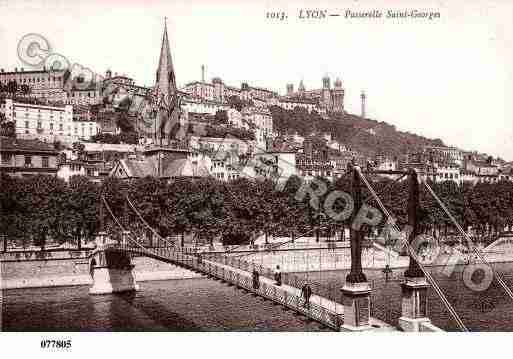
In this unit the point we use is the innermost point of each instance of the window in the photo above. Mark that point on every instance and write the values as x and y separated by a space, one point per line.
60 127
38 124
51 127
26 124
28 161
45 161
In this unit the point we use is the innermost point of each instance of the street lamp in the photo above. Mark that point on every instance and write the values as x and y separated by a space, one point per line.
321 218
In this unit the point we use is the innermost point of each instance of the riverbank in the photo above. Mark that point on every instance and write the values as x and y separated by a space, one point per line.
339 258
70 268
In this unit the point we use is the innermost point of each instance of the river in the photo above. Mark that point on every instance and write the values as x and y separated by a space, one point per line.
206 305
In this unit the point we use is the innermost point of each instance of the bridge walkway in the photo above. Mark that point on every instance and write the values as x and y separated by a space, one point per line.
285 291
239 273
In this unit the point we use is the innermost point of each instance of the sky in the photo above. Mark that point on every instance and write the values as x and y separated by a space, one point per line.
449 77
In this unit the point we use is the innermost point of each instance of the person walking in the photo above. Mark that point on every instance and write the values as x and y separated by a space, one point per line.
277 275
256 279
308 294
304 294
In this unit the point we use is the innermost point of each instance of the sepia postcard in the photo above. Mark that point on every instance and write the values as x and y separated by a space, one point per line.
255 166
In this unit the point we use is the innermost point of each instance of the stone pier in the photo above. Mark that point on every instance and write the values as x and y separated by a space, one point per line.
414 304
356 306
111 269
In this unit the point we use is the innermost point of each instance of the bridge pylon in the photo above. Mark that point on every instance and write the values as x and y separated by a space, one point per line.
111 267
357 290
414 287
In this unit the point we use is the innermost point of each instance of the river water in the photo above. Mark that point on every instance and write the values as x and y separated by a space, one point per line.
206 305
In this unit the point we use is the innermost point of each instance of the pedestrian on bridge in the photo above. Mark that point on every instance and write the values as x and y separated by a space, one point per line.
256 279
277 275
306 292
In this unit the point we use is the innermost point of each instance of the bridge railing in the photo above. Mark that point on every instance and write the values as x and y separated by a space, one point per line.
327 291
189 259
270 291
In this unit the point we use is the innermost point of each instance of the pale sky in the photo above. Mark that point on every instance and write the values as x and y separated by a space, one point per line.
449 78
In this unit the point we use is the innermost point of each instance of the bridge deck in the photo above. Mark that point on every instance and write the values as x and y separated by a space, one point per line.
238 273
315 300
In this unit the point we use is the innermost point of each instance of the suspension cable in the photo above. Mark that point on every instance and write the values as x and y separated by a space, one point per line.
470 244
413 255
146 223
123 228
387 187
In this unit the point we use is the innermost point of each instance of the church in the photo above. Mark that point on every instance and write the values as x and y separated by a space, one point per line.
326 98
168 157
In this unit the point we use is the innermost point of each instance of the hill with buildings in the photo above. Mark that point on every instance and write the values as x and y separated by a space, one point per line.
369 137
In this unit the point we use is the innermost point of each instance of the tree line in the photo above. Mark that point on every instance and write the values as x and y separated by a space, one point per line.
39 209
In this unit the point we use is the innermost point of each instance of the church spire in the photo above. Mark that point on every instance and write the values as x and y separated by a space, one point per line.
165 92
166 83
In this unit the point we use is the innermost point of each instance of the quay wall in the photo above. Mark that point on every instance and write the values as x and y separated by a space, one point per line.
64 268
71 267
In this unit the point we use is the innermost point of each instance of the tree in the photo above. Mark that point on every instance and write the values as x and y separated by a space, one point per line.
221 117
7 129
12 87
83 208
237 103
123 121
25 89
78 148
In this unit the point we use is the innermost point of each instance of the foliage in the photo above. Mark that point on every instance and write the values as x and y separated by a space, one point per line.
124 137
7 129
237 103
221 117
39 208
366 136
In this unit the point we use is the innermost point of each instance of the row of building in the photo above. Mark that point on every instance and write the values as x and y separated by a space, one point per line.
47 123
323 100
60 87
224 159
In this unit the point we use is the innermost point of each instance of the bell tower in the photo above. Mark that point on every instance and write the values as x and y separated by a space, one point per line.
338 97
326 93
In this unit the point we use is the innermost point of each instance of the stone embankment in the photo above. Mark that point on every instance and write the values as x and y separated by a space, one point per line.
71 267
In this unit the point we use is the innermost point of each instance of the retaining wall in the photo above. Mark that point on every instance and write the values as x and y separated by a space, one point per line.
63 268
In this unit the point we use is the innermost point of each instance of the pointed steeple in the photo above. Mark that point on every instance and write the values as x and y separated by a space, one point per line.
165 82
165 92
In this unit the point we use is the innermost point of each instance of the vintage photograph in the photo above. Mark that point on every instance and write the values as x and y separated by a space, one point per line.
255 166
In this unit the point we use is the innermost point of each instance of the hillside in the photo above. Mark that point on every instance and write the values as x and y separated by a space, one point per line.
366 136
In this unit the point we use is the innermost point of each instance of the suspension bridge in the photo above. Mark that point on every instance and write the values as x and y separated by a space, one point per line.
111 268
